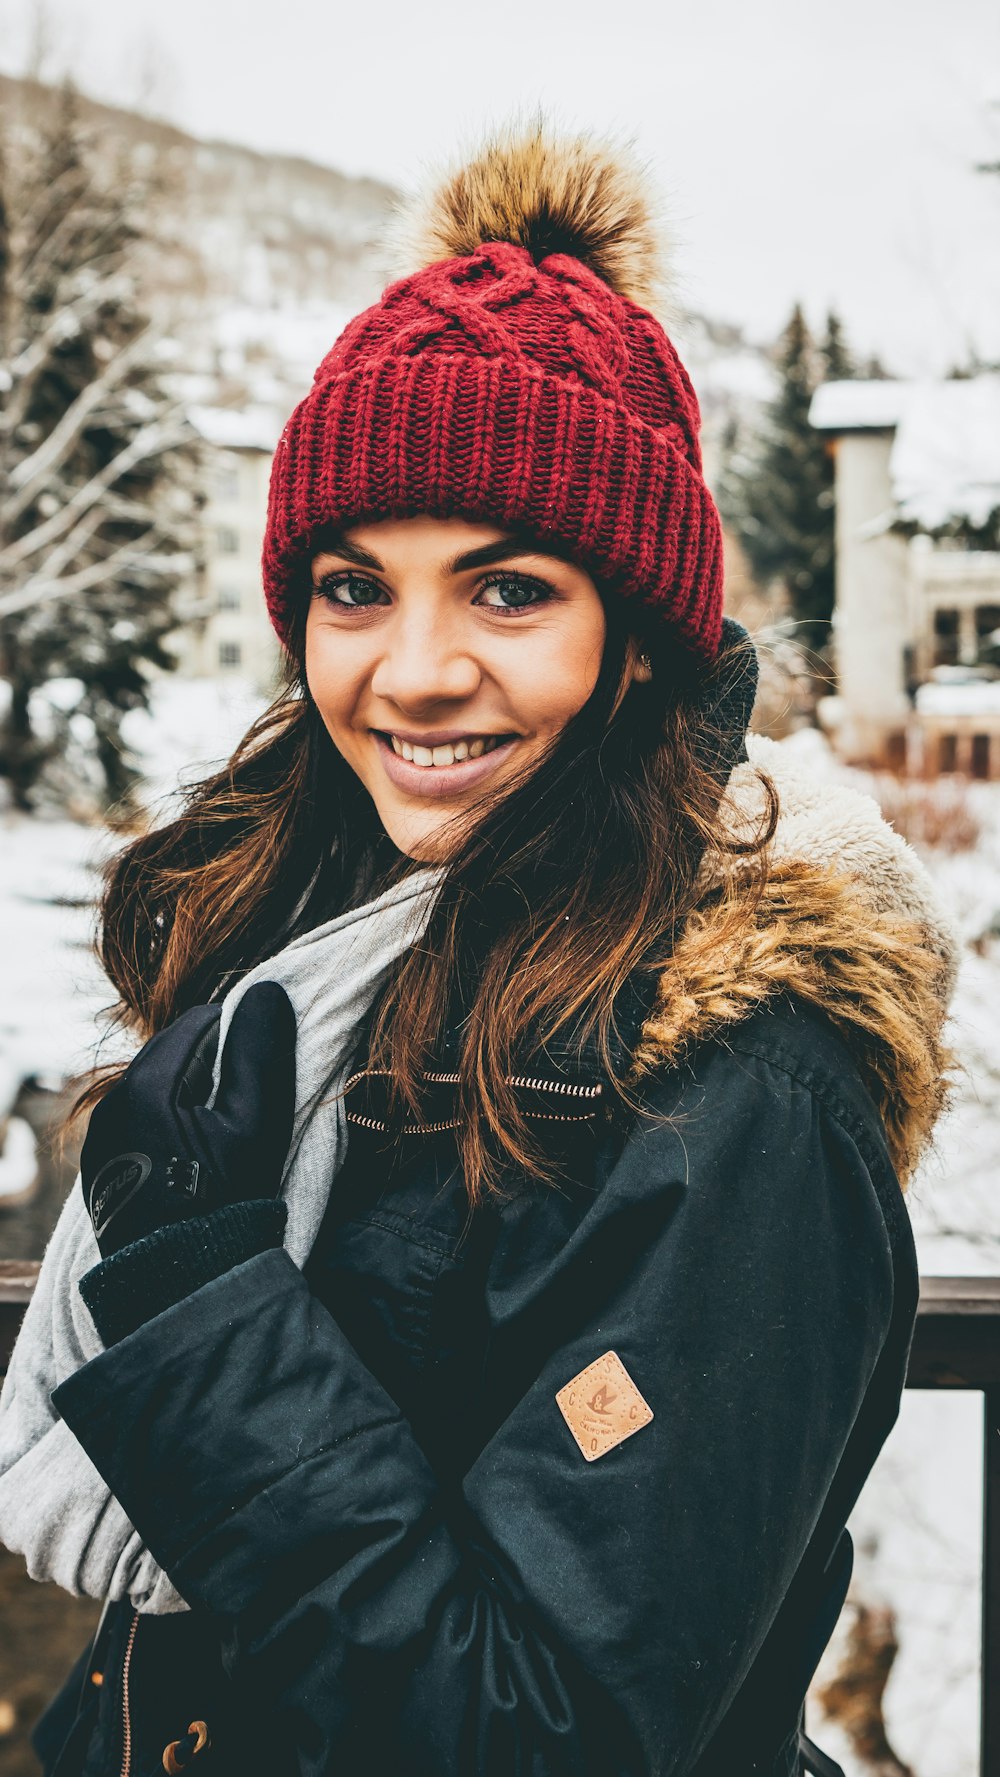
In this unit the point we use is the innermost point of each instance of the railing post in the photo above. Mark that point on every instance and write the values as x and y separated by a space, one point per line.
990 1681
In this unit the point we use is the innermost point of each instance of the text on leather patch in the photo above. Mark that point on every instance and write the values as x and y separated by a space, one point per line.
602 1406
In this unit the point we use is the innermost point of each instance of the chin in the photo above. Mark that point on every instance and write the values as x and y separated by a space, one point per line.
424 844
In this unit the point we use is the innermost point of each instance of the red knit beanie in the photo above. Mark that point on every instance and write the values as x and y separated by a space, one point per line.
517 378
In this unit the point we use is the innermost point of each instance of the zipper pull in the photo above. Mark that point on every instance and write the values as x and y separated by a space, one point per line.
178 1755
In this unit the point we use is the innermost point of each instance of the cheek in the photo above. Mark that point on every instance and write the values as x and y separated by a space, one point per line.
552 674
334 680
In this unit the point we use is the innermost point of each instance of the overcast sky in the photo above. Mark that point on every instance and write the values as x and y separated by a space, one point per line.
803 150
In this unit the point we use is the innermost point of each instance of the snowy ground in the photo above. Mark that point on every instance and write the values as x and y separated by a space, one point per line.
52 990
917 1529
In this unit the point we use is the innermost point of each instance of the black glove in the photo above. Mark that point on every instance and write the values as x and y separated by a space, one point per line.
154 1154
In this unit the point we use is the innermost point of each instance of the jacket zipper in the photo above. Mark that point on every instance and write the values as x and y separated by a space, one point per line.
561 1086
126 1716
408 1128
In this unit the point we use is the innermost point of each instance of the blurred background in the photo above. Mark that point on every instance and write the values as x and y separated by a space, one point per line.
193 200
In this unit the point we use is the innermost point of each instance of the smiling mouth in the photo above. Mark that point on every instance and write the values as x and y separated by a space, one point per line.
450 752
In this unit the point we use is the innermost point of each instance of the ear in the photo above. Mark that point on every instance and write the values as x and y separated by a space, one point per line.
636 670
638 667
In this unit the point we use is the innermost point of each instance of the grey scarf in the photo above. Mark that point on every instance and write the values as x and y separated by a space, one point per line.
55 1509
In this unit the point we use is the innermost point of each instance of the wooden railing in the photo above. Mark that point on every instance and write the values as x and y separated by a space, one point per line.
956 1344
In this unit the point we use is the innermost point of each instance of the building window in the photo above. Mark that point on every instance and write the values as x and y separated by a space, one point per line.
947 752
227 482
980 755
988 634
227 541
946 638
895 750
228 598
230 654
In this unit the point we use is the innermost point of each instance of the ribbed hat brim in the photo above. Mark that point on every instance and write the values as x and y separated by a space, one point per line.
452 434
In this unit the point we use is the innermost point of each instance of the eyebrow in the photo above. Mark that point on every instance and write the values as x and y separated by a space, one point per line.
485 556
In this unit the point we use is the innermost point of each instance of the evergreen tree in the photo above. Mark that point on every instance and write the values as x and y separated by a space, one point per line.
98 483
776 489
835 355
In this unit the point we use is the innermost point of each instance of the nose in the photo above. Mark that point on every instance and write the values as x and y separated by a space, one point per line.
426 661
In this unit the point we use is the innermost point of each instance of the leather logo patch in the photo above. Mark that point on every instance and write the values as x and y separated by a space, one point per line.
602 1406
116 1183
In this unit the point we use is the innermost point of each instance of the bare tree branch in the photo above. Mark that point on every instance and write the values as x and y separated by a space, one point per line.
151 442
131 557
64 324
28 477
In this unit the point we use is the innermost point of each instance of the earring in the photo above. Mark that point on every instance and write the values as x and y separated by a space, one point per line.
643 670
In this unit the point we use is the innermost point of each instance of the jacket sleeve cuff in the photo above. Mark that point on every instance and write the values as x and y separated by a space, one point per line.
144 1279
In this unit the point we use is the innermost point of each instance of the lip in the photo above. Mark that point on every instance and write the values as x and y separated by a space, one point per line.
438 780
436 737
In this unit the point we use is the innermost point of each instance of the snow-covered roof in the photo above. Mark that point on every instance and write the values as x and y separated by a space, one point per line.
858 406
979 698
945 461
238 428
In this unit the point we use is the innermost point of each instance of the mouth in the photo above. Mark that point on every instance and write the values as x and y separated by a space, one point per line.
444 768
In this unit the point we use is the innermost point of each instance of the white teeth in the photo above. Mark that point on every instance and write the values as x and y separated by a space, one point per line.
449 753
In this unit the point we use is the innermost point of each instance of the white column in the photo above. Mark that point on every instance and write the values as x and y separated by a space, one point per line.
871 615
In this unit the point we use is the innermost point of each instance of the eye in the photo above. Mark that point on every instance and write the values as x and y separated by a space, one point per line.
349 590
513 592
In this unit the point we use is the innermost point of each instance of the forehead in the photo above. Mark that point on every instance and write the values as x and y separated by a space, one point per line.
427 540
392 535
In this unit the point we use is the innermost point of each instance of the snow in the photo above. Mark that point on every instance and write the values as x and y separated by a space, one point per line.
295 337
52 990
916 1532
974 698
192 728
18 1161
858 406
945 460
253 427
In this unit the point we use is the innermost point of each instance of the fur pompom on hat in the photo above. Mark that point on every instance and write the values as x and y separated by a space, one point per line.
515 376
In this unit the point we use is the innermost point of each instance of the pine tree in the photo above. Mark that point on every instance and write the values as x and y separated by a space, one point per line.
835 354
98 484
776 489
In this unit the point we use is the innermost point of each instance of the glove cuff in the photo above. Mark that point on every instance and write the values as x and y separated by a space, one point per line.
144 1279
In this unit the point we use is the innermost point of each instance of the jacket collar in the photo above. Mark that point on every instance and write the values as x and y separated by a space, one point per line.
849 921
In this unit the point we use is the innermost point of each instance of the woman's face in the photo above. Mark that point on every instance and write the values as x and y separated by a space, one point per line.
443 658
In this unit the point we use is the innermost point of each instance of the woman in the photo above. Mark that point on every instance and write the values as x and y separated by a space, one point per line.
490 1284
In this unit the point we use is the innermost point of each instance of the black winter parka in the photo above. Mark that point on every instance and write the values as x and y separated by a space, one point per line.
398 1555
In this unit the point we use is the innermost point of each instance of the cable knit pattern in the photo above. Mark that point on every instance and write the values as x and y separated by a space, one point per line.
493 388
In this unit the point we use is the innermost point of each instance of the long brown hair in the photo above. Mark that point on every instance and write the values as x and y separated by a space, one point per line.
568 881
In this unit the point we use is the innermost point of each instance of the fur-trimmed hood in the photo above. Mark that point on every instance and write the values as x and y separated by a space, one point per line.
848 920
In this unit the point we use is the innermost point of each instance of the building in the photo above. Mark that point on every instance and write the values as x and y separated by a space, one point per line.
917 617
232 633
